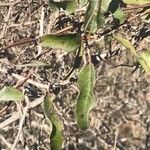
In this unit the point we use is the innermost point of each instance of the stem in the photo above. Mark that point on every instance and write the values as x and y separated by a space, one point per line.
30 40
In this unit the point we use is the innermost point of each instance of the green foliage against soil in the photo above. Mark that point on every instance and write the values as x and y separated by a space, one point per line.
91 35
86 98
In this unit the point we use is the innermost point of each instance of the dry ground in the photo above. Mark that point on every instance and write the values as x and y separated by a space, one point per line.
121 119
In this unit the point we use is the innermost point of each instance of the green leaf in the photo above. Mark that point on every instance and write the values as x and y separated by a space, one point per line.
144 60
92 16
85 99
56 137
71 7
120 15
83 2
105 5
126 43
66 42
9 93
137 2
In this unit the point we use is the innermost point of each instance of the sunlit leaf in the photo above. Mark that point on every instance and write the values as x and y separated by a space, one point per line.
105 4
83 2
56 137
66 42
126 43
9 93
85 99
120 15
137 2
144 60
92 16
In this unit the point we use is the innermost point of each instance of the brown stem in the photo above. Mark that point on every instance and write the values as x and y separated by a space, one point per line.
30 40
136 7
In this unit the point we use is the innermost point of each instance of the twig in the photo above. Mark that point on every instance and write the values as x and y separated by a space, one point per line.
30 40
31 81
64 30
15 116
23 24
22 118
116 136
136 7
6 21
39 47
40 85
6 107
6 143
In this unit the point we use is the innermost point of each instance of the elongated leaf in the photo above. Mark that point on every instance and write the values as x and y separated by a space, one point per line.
137 2
66 42
126 43
85 99
144 60
56 137
92 16
9 93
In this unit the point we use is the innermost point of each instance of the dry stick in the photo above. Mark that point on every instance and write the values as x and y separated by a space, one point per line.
39 47
5 108
6 21
64 30
136 7
40 85
15 116
4 141
22 24
22 118
30 40
7 18
116 136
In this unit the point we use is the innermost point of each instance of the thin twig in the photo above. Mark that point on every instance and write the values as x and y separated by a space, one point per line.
6 143
15 116
39 47
22 119
5 24
136 7
30 40
22 24
40 85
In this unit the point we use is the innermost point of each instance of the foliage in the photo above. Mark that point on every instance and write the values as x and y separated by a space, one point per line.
94 19
56 137
9 93
85 99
